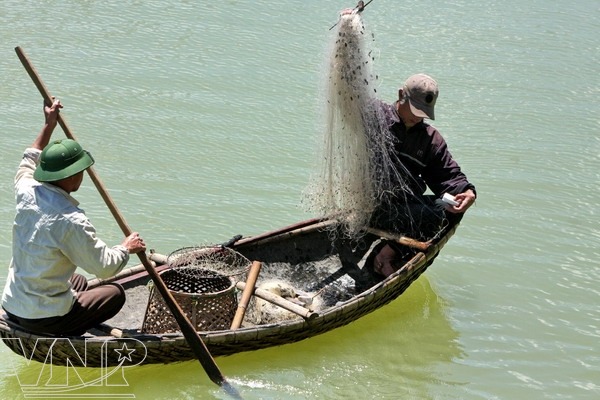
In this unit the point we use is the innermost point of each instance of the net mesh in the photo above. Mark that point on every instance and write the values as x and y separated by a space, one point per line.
209 261
358 168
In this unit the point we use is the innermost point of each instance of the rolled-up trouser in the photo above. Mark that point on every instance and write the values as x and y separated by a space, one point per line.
91 307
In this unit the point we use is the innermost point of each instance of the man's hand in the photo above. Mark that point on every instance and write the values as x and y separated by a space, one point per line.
51 112
464 200
359 8
134 243
50 119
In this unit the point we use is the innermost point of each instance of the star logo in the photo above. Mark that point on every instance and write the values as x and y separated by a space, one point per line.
124 353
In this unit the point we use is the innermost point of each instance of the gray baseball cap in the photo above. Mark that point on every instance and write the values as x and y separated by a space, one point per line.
422 91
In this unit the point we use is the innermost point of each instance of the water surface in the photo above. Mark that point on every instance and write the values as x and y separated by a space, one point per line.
204 117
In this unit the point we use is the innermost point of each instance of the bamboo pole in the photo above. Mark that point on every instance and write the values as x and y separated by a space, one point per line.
246 295
281 302
403 240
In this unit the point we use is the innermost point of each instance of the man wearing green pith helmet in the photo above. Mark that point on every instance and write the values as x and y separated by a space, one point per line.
52 236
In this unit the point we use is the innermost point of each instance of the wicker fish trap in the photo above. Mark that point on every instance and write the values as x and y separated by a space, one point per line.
209 302
201 281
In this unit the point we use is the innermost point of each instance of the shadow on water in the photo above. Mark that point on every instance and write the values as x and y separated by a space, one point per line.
391 352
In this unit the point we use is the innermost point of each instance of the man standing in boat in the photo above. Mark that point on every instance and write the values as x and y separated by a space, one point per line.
52 236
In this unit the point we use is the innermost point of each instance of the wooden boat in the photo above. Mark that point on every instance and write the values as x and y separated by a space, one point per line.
338 270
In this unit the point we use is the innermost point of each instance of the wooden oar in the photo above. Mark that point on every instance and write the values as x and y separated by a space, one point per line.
246 295
188 330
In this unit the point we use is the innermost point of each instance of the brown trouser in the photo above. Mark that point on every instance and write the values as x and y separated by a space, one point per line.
91 307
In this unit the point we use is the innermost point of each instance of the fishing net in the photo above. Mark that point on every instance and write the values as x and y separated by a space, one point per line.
358 168
209 261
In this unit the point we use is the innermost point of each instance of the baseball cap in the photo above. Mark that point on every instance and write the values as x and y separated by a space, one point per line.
422 91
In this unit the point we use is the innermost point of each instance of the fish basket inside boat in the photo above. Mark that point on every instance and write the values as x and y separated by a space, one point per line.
208 301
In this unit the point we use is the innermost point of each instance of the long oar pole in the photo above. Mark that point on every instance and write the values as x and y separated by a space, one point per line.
188 330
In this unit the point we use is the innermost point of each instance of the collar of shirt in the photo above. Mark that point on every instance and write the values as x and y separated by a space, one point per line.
60 191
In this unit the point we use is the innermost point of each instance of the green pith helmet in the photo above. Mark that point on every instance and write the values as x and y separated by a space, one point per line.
62 159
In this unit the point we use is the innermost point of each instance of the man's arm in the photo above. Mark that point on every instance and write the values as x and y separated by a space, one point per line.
50 120
444 175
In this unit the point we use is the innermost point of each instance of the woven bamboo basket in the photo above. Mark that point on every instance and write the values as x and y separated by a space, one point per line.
209 302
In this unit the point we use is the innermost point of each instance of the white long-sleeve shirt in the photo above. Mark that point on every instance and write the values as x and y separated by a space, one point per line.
51 237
